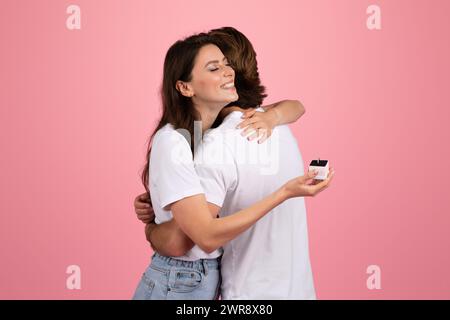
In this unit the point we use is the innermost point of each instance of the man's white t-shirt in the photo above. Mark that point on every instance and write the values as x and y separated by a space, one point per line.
271 259
172 177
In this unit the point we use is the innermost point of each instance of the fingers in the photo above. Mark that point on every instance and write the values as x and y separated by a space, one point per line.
143 208
307 182
260 125
146 217
251 129
249 113
146 220
142 201
329 176
309 175
141 205
265 135
320 186
261 133
143 197
312 182
253 135
247 122
146 211
146 198
254 127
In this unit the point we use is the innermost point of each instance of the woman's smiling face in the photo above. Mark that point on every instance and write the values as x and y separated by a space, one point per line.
212 78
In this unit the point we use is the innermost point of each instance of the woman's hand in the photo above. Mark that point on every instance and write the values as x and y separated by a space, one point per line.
306 186
259 124
143 208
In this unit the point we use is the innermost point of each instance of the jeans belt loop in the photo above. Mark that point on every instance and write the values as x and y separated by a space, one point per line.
205 267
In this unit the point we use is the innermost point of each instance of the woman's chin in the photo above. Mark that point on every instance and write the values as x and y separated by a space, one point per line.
233 98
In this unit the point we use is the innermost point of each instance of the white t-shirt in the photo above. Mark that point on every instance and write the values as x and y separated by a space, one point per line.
172 177
271 259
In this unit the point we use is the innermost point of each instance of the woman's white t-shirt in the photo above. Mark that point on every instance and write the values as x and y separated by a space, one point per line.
172 177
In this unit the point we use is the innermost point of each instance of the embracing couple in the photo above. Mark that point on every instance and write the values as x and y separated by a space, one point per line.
224 207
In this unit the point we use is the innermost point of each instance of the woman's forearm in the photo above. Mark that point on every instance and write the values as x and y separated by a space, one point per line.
223 230
286 111
209 233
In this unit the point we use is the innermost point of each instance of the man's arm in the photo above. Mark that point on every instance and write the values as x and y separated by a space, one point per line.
168 239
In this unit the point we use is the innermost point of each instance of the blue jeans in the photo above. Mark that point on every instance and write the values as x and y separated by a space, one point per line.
172 279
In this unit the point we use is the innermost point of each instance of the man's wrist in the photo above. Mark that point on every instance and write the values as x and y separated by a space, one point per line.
276 116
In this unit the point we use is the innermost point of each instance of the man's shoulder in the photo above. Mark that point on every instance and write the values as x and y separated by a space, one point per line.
216 148
225 132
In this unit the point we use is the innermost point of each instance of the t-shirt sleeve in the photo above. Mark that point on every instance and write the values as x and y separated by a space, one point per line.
217 175
173 169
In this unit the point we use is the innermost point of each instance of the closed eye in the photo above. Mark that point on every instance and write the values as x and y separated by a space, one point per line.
215 69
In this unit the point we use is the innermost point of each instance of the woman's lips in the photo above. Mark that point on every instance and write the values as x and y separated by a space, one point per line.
228 85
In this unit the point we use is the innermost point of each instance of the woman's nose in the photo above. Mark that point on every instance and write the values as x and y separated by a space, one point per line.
228 71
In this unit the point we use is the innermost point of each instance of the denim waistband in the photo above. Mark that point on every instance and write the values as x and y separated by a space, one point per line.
163 262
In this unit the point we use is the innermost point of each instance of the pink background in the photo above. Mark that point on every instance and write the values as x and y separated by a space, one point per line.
77 108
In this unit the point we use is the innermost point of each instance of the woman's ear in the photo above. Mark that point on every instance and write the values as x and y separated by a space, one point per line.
184 88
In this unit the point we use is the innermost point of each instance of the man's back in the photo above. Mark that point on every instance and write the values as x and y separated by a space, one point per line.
270 260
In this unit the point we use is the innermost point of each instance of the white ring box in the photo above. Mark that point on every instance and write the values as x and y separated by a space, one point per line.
321 166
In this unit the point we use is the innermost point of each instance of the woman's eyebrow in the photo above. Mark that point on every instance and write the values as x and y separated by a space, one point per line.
215 61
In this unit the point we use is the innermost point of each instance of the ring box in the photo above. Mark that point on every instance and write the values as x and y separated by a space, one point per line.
321 166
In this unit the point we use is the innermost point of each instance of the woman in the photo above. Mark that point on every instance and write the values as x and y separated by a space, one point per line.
198 83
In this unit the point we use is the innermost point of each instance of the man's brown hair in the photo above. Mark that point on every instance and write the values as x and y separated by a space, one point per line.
242 57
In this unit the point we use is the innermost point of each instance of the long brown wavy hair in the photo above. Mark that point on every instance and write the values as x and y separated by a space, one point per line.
178 110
